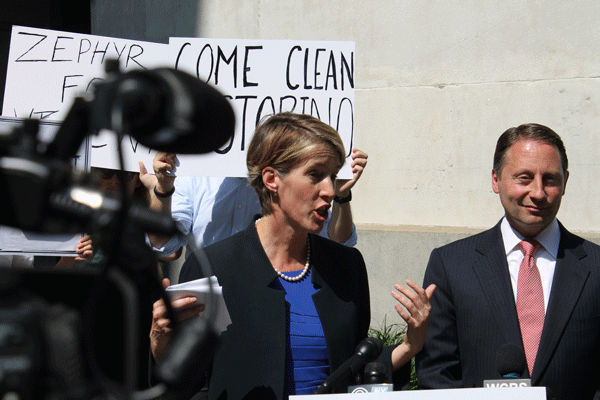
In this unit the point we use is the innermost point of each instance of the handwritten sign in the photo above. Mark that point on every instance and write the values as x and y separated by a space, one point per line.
261 77
48 69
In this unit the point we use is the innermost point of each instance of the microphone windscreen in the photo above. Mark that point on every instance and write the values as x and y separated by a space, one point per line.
510 359
369 348
169 110
375 372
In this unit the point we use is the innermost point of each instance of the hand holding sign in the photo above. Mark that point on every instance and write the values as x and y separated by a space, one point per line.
164 165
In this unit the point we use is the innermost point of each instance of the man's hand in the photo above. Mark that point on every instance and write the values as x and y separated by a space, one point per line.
162 180
359 162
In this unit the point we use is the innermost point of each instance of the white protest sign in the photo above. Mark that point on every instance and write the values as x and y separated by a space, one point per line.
47 69
261 77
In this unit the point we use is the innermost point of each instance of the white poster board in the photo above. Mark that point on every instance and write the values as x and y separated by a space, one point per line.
47 69
261 77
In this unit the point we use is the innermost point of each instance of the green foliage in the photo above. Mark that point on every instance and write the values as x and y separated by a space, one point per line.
393 334
388 334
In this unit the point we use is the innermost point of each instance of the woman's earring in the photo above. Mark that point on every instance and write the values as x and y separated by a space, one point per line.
273 194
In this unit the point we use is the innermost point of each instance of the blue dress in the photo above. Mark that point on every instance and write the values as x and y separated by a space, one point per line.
307 363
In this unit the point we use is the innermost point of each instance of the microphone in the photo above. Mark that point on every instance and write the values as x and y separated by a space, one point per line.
166 110
375 372
511 361
511 364
374 380
366 351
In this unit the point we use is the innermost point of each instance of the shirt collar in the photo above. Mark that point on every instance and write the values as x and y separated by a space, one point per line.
549 238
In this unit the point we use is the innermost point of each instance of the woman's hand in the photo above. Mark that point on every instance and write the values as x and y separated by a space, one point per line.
162 180
414 309
160 332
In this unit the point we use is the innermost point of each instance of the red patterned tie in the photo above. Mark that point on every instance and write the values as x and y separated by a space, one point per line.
530 301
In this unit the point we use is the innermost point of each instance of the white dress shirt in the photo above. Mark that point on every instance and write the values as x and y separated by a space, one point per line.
545 256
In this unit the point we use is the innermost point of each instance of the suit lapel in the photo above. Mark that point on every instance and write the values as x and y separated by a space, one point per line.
334 311
325 302
491 268
568 282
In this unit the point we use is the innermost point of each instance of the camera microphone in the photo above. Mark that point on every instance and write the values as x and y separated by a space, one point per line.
94 209
166 110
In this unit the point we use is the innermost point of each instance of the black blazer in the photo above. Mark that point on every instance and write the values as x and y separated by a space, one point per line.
474 313
250 360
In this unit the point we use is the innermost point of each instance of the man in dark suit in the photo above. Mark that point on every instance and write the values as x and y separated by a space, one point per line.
544 298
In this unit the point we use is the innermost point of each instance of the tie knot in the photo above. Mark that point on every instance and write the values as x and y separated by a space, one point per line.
529 247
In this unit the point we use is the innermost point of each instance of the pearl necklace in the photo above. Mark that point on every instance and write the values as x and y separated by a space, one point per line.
306 266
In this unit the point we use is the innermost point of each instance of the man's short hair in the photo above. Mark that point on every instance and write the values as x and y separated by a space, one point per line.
536 132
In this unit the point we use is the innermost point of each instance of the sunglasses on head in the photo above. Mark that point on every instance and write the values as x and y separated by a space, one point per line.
109 173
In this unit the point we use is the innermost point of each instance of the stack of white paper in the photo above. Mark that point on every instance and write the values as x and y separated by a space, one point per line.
200 290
